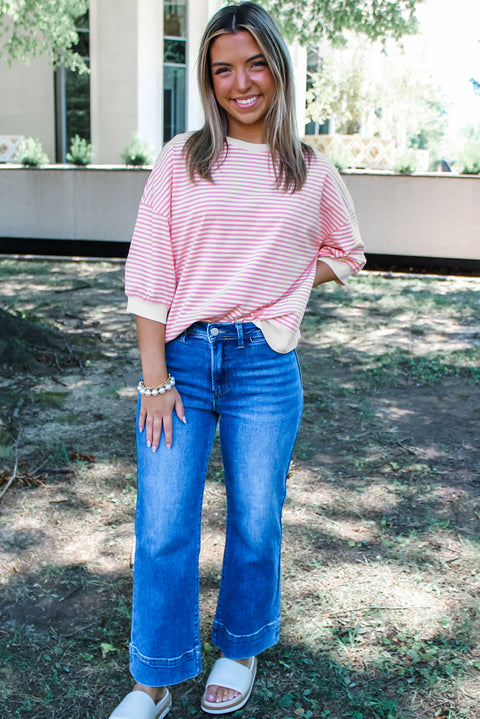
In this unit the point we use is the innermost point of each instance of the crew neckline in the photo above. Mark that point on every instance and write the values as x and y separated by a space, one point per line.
249 146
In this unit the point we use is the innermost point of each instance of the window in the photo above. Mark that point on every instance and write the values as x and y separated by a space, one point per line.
174 68
72 96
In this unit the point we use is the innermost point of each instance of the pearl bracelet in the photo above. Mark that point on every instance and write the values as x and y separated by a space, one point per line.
159 389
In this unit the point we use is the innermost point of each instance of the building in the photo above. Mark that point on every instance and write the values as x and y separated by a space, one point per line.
142 78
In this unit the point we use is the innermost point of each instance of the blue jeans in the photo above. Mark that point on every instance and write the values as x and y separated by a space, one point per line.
227 373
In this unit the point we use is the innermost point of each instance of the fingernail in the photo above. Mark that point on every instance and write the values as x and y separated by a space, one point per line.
169 446
154 449
184 419
149 444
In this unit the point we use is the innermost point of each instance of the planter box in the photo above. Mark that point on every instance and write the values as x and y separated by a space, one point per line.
432 215
70 203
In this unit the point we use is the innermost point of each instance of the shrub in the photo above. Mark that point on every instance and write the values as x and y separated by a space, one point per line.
80 152
470 159
30 153
406 164
137 152
340 158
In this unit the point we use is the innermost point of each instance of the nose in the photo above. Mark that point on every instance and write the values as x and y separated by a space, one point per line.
242 80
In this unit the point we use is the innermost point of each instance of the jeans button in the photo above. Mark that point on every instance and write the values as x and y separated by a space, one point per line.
214 331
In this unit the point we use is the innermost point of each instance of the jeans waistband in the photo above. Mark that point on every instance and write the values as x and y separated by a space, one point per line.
222 331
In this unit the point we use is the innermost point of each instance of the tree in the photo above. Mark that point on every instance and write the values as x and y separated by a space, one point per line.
310 20
343 90
29 28
365 84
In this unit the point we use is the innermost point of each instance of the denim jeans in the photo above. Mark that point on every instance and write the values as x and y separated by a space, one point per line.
225 373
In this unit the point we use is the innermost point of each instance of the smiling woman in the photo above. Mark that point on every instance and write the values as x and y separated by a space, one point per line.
243 85
237 223
257 54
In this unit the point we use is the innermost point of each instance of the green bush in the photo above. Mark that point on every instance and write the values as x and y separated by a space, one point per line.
406 164
137 152
80 152
470 158
340 158
30 153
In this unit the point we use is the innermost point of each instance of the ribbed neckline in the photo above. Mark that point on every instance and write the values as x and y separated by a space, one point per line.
248 146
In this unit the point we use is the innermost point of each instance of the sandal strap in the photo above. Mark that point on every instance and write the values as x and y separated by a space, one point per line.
231 675
140 705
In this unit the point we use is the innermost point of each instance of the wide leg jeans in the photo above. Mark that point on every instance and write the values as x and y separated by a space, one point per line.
226 374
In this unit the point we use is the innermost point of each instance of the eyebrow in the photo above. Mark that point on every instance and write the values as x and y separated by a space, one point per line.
254 57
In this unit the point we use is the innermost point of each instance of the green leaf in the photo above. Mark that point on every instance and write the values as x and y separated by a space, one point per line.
106 649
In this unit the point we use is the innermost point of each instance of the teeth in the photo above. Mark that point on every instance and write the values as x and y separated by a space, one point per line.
247 102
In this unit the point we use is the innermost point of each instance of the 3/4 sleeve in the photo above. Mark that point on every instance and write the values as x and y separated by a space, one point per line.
341 246
150 267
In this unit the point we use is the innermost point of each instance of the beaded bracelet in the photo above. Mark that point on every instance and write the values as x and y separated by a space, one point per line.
159 389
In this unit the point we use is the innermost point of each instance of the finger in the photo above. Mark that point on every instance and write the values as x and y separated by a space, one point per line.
156 433
179 409
141 416
149 430
167 428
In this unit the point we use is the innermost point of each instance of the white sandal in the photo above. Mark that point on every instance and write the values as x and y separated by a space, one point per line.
140 705
231 675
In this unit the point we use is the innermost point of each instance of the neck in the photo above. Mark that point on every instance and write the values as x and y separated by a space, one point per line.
248 133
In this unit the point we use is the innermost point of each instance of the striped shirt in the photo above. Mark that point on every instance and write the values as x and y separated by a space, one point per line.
237 249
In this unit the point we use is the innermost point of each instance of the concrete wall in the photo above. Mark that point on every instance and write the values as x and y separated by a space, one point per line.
420 215
27 102
424 216
70 203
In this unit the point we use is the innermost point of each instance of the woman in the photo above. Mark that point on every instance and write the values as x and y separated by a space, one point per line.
237 222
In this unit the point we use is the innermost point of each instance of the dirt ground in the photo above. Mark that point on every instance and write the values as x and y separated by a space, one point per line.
382 520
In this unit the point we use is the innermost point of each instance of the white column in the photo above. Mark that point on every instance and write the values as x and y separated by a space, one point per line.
199 13
114 77
150 71
94 79
299 61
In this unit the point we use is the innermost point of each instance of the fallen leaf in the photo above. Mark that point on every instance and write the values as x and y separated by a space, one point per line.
79 457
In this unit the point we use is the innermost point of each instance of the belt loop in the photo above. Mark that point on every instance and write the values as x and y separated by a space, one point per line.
239 328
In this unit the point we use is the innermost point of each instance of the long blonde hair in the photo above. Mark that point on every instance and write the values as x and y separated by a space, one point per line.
204 148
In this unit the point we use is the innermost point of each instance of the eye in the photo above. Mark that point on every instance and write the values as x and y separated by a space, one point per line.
259 64
221 70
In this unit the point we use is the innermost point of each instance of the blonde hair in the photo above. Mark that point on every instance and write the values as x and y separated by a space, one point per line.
204 148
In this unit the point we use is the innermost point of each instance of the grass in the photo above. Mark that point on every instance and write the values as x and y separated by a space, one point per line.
381 560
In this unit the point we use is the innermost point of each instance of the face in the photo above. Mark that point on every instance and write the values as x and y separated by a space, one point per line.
243 84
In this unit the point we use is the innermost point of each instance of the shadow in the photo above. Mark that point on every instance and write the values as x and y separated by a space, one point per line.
382 514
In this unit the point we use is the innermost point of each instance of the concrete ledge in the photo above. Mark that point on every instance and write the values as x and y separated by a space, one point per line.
431 215
67 203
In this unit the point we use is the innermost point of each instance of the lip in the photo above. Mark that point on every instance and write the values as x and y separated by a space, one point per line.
246 106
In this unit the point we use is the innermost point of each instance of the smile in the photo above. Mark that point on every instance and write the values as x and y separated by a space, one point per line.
247 102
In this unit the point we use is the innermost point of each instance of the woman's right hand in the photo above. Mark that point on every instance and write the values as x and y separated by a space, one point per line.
156 414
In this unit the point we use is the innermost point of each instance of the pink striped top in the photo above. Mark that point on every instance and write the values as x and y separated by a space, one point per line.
237 250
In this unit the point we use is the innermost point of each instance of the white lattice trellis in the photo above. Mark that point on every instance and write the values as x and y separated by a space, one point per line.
362 152
9 147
